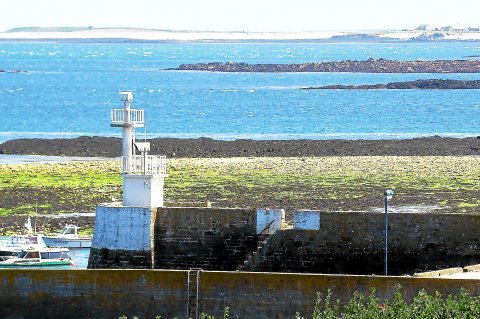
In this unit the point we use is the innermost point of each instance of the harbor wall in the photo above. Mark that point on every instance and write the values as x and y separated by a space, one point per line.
353 243
207 238
226 239
79 294
122 237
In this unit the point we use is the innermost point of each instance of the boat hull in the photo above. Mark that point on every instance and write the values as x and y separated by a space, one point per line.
67 242
35 264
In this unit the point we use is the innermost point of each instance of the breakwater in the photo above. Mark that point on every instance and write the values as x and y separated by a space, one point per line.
227 239
366 66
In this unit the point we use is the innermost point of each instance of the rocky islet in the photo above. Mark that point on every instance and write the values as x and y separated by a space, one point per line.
428 84
366 66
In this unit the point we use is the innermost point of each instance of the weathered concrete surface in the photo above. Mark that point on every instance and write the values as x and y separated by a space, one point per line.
353 243
79 294
207 238
122 237
306 219
269 220
104 258
92 293
277 295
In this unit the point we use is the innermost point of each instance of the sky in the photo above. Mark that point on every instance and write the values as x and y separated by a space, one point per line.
241 15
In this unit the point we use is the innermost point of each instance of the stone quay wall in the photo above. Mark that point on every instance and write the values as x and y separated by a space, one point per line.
81 294
207 238
353 243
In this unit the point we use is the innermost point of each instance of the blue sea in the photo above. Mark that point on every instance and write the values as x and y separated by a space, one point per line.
69 89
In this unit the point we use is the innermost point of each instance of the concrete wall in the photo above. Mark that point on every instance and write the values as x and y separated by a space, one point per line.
122 237
353 243
306 219
276 295
323 242
143 190
76 294
269 220
207 238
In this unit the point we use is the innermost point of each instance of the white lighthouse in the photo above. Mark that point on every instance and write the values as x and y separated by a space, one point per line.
143 174
123 233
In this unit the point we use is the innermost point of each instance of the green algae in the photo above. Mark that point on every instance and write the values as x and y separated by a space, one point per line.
330 183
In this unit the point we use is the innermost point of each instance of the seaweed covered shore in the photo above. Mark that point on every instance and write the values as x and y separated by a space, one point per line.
95 146
332 175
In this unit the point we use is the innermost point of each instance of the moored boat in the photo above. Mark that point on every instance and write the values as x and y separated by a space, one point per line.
39 255
68 237
13 247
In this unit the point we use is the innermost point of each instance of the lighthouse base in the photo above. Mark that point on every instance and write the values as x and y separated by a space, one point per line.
122 237
142 190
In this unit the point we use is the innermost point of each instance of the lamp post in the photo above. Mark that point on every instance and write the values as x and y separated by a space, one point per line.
387 195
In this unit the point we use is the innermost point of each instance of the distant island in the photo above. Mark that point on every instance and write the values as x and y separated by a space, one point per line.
429 84
93 34
366 66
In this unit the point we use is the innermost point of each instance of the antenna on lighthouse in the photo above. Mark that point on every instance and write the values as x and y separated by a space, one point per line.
128 132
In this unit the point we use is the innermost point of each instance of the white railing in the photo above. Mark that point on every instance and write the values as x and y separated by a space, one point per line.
118 116
148 164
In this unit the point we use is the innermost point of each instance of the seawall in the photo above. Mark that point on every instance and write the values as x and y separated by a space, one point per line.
353 243
79 294
227 239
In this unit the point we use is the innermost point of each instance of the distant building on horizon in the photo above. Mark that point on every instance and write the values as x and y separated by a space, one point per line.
424 27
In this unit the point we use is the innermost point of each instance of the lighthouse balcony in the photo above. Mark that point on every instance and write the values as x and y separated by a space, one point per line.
144 165
121 117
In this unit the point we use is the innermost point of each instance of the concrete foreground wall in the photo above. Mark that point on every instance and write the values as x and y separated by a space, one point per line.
91 293
76 294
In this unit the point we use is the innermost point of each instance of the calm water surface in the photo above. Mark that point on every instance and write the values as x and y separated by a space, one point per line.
70 88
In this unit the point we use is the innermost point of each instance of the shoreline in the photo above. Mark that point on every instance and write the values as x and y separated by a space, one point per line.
110 147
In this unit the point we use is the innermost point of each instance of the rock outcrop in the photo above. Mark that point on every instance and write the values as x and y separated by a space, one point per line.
366 66
207 147
429 84
12 71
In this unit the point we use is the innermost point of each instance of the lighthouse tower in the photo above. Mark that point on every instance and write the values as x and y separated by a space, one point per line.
142 174
123 233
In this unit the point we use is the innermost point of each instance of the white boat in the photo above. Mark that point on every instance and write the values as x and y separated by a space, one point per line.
68 237
39 257
13 247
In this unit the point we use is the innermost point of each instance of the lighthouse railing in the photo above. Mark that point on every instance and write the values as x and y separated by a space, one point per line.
120 117
144 164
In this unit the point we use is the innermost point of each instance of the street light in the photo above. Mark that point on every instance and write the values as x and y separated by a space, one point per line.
387 195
